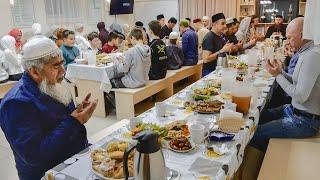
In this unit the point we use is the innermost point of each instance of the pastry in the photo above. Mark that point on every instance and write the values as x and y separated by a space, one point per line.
117 155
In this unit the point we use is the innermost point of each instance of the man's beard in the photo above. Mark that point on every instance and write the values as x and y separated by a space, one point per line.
57 91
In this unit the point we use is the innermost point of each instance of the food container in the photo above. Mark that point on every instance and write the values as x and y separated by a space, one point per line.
220 136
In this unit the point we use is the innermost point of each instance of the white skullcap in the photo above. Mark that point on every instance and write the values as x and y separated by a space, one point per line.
78 26
38 47
174 35
8 42
229 21
206 17
36 29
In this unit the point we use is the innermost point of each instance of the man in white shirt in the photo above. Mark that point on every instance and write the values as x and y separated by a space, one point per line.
202 32
206 22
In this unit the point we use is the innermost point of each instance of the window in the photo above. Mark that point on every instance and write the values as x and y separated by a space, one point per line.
95 11
22 13
65 11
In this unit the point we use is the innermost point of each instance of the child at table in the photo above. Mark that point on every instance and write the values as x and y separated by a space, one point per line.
95 42
133 71
112 44
69 51
174 52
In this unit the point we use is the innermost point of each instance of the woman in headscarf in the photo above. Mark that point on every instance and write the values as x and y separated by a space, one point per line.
17 34
243 33
103 33
15 69
3 68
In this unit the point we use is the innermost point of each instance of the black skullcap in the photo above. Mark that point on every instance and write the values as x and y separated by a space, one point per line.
235 20
139 24
217 17
173 20
196 20
160 16
279 16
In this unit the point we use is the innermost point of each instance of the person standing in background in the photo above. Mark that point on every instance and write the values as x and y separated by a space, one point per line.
206 22
103 33
189 44
213 45
167 29
17 34
202 32
189 20
161 21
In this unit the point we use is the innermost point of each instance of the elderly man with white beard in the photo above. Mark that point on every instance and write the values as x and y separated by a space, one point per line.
38 117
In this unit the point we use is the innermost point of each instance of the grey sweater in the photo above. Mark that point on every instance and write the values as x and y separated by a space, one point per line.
304 85
135 66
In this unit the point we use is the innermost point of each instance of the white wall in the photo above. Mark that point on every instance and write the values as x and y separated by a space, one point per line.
40 17
6 18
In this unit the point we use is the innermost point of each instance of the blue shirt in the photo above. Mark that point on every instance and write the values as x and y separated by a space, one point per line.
190 47
39 129
293 62
69 54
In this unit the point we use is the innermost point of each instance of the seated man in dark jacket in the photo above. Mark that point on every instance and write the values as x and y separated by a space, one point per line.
38 117
278 28
174 52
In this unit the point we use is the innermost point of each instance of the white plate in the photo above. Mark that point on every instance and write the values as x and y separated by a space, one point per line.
185 151
70 161
106 178
80 61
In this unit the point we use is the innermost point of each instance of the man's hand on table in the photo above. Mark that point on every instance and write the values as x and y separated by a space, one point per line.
85 109
274 68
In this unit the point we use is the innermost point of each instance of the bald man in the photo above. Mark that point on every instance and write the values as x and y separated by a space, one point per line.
301 118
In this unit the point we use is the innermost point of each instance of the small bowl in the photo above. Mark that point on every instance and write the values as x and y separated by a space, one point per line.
220 136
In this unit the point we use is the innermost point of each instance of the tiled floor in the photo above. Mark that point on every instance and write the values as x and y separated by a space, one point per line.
7 164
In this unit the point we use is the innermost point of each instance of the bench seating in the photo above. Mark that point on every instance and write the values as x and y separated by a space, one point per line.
127 98
5 87
193 72
291 159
